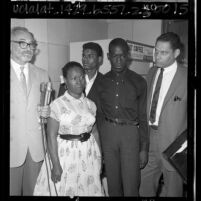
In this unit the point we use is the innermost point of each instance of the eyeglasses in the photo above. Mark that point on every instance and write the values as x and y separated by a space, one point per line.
24 44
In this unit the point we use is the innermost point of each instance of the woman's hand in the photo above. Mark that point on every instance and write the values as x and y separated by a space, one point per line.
56 173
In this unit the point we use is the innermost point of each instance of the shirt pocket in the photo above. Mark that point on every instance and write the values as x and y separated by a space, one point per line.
176 107
130 98
107 96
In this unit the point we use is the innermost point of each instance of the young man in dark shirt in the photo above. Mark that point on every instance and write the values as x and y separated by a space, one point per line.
123 132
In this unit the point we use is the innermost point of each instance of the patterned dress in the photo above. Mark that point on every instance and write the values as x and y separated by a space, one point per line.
80 161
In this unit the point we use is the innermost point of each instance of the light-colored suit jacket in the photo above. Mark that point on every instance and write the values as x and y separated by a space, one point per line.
25 132
173 117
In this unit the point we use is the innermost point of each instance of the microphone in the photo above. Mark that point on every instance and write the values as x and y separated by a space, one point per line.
42 93
48 93
45 89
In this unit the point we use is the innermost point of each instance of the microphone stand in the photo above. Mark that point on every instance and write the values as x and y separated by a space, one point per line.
45 94
42 123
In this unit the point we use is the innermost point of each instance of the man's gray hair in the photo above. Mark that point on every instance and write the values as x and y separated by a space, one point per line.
14 31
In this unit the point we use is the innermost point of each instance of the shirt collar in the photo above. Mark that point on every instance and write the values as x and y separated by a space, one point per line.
71 98
92 79
118 76
16 65
171 67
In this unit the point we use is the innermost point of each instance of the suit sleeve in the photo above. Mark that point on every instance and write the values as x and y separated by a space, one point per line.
142 115
99 113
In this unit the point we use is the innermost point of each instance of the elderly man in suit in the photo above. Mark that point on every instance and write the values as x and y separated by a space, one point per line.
26 144
167 114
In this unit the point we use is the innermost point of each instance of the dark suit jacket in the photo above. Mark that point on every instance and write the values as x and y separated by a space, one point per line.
93 92
93 95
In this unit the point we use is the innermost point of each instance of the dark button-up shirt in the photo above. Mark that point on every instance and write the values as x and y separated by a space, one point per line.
124 96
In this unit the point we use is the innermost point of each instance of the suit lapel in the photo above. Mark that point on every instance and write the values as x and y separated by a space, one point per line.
33 81
31 78
173 86
92 90
16 82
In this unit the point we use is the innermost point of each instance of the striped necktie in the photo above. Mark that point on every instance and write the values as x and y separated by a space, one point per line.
23 80
155 97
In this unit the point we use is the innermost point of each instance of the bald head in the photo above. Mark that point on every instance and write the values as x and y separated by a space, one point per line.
16 30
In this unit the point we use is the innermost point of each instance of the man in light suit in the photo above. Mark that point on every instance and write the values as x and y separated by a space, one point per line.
171 116
26 147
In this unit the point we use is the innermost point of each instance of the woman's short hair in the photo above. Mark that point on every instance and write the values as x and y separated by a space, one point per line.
69 66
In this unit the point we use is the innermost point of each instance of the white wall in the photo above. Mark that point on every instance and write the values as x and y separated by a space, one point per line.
120 28
146 31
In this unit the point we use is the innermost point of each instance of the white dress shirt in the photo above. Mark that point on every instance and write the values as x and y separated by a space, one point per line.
17 70
168 75
89 83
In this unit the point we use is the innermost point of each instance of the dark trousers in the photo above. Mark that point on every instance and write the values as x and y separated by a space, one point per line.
120 146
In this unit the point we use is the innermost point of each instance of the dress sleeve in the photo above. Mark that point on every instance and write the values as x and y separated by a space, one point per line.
54 111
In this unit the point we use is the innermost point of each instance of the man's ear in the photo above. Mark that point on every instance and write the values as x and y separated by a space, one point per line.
100 60
108 56
64 80
176 53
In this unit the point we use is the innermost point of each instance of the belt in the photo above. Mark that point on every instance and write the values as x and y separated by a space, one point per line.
154 127
122 122
82 137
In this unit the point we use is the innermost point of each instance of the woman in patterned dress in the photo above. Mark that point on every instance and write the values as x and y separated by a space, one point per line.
74 166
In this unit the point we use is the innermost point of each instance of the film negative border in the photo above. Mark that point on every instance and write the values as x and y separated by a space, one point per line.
110 10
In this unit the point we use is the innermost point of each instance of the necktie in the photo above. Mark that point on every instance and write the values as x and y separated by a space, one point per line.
155 97
23 80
